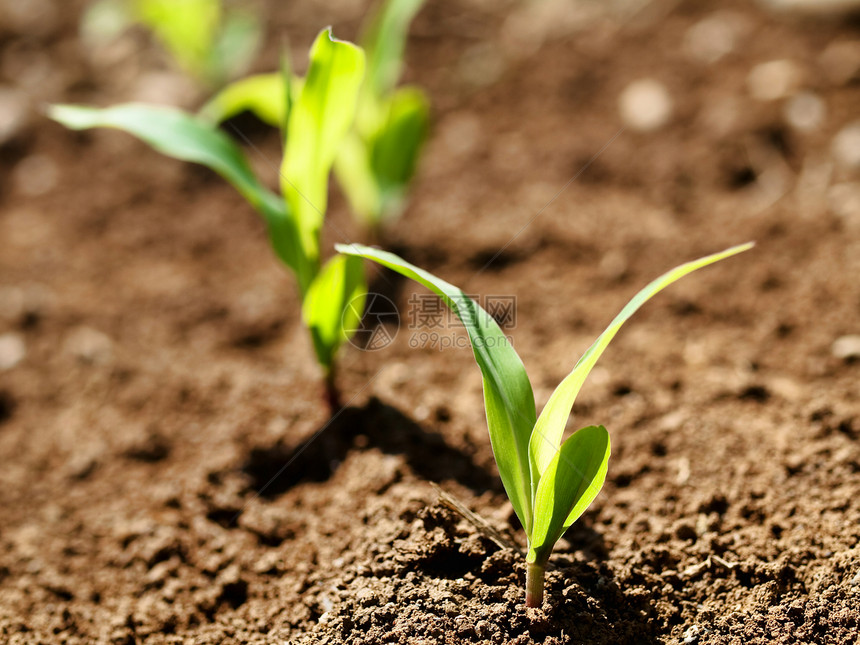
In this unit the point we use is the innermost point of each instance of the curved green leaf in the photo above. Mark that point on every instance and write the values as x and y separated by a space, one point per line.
262 94
353 171
571 481
550 425
375 171
184 137
319 119
178 135
237 44
187 29
334 304
395 147
385 40
508 396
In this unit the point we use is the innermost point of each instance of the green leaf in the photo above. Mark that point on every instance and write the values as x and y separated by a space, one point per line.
262 94
385 41
187 138
353 171
551 423
396 145
104 20
237 44
375 172
508 396
178 135
571 481
319 119
186 28
334 305
376 164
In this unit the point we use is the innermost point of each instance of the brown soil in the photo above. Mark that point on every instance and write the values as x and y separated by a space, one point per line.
148 487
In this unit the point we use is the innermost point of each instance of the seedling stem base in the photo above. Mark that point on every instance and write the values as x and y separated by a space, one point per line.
534 584
332 394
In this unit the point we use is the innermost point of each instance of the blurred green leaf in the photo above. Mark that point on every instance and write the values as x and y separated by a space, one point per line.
184 137
187 29
395 148
319 119
262 94
375 170
237 44
356 178
104 20
391 125
334 305
385 41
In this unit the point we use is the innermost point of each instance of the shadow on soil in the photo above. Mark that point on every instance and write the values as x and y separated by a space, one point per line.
585 602
585 598
275 469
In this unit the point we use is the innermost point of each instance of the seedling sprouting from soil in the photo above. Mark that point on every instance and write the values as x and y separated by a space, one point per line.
208 41
377 159
319 115
550 483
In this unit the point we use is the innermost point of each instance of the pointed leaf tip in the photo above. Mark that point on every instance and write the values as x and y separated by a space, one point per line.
553 419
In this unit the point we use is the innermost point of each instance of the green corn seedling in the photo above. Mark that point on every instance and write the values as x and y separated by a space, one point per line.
211 43
377 159
550 482
321 113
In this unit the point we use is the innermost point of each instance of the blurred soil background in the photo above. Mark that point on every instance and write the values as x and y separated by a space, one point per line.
155 375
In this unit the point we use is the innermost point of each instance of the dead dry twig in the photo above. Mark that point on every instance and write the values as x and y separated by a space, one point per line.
475 520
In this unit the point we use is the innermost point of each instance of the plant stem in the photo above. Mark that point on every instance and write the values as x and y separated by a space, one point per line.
332 394
534 584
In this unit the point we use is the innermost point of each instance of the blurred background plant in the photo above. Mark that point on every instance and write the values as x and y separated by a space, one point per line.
316 119
378 158
212 41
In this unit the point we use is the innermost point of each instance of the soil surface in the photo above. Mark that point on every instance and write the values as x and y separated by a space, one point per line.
169 470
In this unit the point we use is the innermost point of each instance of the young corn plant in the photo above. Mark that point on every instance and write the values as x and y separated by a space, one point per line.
206 40
549 482
377 159
320 114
